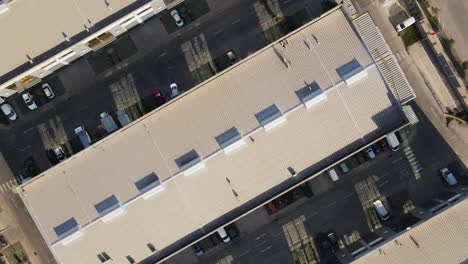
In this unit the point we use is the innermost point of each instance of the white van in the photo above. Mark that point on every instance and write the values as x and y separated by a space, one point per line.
393 142
333 175
381 210
83 136
223 234
408 22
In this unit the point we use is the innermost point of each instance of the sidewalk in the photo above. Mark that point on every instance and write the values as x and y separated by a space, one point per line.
455 83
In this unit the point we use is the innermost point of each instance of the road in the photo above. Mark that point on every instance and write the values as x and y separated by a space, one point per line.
453 20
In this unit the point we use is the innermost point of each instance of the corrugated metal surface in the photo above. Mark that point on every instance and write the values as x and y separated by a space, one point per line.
441 239
384 58
231 99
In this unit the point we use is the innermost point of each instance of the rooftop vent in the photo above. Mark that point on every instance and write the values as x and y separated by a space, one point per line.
352 72
270 118
231 140
4 6
109 208
68 231
149 186
190 163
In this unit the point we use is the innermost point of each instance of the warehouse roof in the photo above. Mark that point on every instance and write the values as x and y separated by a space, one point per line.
36 28
441 239
297 103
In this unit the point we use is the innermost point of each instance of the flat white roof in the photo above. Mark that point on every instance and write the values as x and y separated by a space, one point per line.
259 105
441 239
32 27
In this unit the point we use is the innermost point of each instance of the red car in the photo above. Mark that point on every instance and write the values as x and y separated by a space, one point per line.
160 100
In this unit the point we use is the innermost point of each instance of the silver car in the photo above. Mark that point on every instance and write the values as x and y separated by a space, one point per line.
448 176
9 112
175 14
28 100
47 90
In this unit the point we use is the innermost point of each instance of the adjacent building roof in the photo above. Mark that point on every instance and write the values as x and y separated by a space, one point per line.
298 104
36 28
441 239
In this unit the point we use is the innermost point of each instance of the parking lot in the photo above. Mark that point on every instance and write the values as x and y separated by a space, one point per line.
297 232
123 75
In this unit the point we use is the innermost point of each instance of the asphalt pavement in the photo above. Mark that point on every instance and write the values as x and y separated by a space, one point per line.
82 93
343 207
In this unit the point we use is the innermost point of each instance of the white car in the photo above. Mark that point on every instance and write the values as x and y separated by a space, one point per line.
408 22
175 14
60 154
332 174
448 176
8 111
381 210
370 153
174 90
48 91
28 100
223 234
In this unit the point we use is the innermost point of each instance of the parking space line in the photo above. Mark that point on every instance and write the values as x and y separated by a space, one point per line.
265 249
235 22
28 130
397 160
25 148
244 253
331 204
260 236
313 214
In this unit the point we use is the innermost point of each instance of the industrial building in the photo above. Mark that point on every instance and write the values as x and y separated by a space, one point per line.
222 149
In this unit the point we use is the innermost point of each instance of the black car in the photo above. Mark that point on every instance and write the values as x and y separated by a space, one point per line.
333 239
197 249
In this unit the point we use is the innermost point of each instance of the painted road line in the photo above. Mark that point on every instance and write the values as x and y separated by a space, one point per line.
265 249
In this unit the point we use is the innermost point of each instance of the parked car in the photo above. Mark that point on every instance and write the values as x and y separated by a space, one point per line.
448 176
108 122
83 136
174 90
223 234
28 100
47 90
60 154
232 57
370 153
197 249
333 240
123 118
332 174
381 210
408 22
344 168
175 14
9 112
160 99
393 141
377 147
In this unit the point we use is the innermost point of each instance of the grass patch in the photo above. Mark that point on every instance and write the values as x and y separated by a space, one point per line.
15 254
202 73
410 35
276 31
432 19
